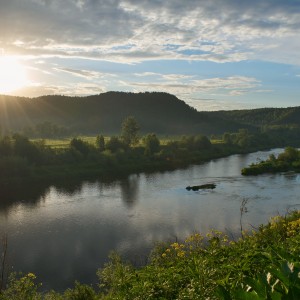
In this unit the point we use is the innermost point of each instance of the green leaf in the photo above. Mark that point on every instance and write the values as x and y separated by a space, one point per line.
223 293
259 285
241 294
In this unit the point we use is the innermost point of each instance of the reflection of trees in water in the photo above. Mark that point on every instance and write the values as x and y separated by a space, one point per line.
129 190
34 194
21 194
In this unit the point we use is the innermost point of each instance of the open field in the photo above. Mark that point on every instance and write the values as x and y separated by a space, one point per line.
63 143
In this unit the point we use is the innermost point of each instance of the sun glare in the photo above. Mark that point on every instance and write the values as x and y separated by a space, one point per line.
12 75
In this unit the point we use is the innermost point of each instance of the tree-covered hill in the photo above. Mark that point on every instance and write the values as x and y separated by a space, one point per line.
263 116
161 113
155 112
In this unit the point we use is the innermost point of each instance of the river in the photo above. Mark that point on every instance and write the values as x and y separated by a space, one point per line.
68 233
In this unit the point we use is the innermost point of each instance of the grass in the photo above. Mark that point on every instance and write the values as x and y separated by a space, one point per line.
64 143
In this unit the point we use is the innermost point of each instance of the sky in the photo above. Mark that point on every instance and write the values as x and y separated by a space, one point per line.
213 54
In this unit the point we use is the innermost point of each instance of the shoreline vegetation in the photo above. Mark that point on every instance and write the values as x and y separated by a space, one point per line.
39 161
262 264
287 161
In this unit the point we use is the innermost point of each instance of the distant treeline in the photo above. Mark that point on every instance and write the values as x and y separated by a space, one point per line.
161 113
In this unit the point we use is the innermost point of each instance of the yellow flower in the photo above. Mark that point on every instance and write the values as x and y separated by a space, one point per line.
31 275
175 245
181 253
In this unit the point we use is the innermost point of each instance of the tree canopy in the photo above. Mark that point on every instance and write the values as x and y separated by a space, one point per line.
129 131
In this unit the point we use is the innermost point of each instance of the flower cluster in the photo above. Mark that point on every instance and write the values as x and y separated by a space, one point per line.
175 249
293 227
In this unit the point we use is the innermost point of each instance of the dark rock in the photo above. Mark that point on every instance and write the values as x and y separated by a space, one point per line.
201 187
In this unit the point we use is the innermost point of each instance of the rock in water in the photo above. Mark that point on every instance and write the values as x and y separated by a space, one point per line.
201 187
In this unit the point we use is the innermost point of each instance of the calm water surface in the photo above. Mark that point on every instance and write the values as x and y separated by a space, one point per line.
67 235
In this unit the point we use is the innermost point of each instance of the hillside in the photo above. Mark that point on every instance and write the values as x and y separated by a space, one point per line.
161 113
263 116
156 112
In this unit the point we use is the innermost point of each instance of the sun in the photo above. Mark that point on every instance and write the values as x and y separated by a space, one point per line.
12 75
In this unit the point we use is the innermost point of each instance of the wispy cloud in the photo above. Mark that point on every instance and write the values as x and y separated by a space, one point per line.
83 47
134 31
233 86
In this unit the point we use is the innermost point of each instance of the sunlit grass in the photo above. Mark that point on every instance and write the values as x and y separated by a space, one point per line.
64 143
217 141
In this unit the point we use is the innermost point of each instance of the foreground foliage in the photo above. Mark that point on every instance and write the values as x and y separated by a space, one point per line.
263 264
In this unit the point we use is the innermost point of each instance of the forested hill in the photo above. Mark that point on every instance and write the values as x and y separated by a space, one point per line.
263 116
155 112
161 113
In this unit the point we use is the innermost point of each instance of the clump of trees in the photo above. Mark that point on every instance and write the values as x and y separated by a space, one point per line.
289 160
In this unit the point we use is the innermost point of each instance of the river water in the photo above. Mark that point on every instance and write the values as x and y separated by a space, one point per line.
67 234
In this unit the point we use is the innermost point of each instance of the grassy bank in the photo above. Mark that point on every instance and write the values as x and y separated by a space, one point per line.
263 264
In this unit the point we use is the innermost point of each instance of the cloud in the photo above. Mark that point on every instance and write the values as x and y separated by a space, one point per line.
132 31
82 73
78 89
232 86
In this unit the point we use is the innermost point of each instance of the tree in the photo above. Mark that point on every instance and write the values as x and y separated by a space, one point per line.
290 154
202 142
114 144
80 145
26 149
100 142
227 138
129 131
152 144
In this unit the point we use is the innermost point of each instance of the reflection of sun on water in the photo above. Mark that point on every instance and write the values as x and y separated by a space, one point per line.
12 75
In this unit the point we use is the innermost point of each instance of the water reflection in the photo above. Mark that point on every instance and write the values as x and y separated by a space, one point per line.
130 189
66 232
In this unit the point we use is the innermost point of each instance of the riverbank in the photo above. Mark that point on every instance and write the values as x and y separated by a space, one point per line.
26 164
33 179
263 263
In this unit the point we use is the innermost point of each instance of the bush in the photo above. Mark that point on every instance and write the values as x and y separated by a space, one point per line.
80 146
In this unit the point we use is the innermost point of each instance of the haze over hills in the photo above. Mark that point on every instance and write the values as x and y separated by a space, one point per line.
157 112
263 116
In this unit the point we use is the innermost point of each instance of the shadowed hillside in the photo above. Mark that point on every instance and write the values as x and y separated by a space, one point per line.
156 112
263 116
161 113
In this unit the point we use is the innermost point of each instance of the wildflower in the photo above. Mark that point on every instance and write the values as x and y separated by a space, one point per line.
31 275
175 246
181 253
